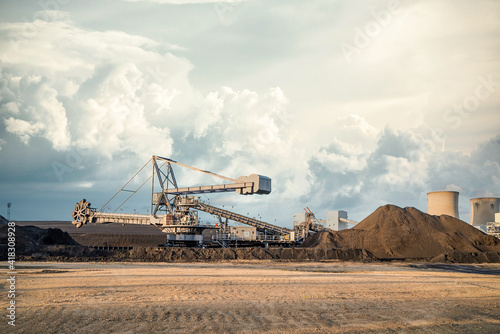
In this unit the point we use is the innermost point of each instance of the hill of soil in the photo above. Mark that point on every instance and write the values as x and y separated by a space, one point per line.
119 240
34 244
185 254
388 233
30 238
3 221
394 232
107 228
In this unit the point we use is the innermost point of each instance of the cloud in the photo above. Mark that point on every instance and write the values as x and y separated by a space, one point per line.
111 95
331 136
23 129
243 132
11 107
354 139
109 91
400 169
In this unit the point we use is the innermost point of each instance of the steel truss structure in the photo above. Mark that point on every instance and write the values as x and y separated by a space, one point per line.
176 213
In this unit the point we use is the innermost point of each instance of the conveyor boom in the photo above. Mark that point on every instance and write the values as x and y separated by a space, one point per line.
260 225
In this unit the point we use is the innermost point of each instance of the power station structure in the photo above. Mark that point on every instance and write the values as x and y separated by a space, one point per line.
485 211
485 214
493 228
443 203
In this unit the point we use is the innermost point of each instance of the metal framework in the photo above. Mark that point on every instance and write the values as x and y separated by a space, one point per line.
493 228
173 211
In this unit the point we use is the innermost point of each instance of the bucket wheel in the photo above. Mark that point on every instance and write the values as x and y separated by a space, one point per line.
82 213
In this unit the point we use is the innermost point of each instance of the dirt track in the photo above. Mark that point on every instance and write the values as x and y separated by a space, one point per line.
256 297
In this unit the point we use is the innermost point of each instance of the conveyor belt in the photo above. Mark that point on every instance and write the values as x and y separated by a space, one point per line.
260 225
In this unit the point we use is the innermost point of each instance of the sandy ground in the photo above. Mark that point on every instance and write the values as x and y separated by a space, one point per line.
254 297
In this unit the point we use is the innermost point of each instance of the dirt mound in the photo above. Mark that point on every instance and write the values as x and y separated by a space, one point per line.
388 233
118 240
184 254
463 257
30 238
34 244
393 232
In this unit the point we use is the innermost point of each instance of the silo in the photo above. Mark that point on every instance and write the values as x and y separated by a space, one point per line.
483 210
443 203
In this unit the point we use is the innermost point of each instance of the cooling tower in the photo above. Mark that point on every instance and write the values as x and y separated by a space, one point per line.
482 210
443 203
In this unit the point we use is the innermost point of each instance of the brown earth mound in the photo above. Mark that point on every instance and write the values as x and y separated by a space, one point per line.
34 244
388 233
3 221
30 238
184 254
467 257
118 240
393 232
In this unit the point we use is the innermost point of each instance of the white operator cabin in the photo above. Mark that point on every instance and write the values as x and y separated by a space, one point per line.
333 220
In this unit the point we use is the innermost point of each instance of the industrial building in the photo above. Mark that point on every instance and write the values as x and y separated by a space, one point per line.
485 214
483 210
443 203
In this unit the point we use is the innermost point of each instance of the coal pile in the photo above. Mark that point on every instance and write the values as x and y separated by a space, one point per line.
388 233
119 240
185 254
39 244
392 232
3 221
30 239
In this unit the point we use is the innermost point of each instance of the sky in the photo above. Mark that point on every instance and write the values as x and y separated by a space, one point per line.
345 105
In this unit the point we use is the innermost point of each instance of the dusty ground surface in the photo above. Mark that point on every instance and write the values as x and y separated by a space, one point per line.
255 297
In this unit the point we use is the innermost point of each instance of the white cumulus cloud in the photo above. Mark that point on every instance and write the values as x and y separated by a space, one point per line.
108 91
25 130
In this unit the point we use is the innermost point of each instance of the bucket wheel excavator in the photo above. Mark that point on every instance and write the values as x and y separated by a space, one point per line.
175 212
82 213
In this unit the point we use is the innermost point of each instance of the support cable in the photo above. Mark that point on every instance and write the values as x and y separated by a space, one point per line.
133 193
124 186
